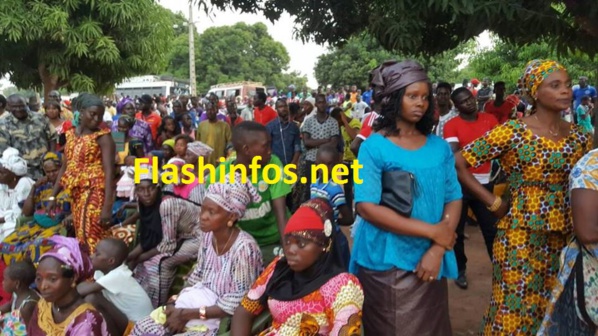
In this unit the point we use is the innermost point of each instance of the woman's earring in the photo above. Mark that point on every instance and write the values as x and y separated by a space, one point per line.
73 285
230 224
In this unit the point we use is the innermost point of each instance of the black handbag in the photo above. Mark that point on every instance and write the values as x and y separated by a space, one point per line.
397 191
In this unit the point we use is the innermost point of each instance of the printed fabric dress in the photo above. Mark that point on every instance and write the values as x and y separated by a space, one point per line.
562 316
334 309
30 240
84 320
84 177
536 228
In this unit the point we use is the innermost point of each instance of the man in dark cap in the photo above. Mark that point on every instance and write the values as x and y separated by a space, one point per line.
147 114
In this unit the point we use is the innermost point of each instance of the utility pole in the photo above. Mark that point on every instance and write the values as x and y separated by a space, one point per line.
192 78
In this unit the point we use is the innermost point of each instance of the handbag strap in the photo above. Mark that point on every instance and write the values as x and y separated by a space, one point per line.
579 284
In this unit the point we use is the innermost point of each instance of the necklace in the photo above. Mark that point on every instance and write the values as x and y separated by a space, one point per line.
225 246
553 133
58 309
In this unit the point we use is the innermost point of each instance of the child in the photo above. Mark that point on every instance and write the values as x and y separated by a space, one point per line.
180 145
115 293
329 156
18 277
168 130
168 149
187 124
584 119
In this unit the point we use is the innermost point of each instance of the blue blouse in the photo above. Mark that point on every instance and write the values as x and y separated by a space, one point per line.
436 184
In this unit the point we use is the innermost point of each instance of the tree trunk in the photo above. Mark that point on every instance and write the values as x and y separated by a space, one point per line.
49 81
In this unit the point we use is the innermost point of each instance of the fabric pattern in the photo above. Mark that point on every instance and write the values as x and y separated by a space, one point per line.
583 176
179 245
84 320
534 231
84 177
140 130
536 72
318 130
334 309
216 135
31 137
12 322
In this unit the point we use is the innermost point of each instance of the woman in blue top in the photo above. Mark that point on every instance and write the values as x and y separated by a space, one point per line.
402 262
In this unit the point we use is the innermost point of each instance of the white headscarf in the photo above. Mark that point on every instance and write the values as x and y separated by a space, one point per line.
12 161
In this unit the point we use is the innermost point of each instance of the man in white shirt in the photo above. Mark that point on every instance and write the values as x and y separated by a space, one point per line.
359 108
115 293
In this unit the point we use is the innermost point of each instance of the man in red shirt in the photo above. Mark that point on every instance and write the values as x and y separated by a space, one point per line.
146 114
366 130
458 132
262 113
499 107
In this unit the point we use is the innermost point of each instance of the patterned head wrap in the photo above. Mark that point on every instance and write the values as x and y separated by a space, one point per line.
72 255
536 72
12 161
198 149
312 221
121 105
55 157
177 162
392 76
146 175
233 196
134 142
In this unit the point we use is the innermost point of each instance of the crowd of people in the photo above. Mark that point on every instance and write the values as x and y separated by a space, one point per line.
92 247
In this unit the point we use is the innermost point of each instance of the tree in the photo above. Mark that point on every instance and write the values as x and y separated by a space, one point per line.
506 62
433 26
352 63
224 54
283 80
82 45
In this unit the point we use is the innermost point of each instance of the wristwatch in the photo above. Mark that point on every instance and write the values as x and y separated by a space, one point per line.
202 312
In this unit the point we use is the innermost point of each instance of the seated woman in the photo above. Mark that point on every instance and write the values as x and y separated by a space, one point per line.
62 311
564 315
173 235
307 291
14 189
228 262
31 239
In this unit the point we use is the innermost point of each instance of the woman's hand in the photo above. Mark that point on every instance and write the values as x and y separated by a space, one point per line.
106 218
43 180
175 322
429 266
444 235
503 209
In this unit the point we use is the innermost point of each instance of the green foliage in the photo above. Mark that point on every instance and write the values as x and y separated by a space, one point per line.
82 45
507 61
433 26
283 80
240 52
352 63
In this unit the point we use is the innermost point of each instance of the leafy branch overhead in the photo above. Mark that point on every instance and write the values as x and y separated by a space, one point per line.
433 26
83 45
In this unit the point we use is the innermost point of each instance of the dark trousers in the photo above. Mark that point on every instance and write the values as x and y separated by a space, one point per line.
349 186
486 221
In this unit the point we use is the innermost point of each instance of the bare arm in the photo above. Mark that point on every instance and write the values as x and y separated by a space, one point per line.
352 132
470 183
27 311
454 146
57 186
585 215
355 145
29 205
280 212
85 288
108 149
242 321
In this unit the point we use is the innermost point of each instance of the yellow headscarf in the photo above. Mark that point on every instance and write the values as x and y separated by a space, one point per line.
536 72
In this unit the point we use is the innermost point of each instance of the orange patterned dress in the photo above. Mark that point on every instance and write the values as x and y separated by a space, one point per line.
84 177
535 230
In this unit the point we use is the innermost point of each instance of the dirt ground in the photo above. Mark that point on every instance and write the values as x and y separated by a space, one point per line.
468 306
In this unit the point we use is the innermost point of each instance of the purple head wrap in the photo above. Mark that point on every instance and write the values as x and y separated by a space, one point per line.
392 76
233 196
69 252
121 104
